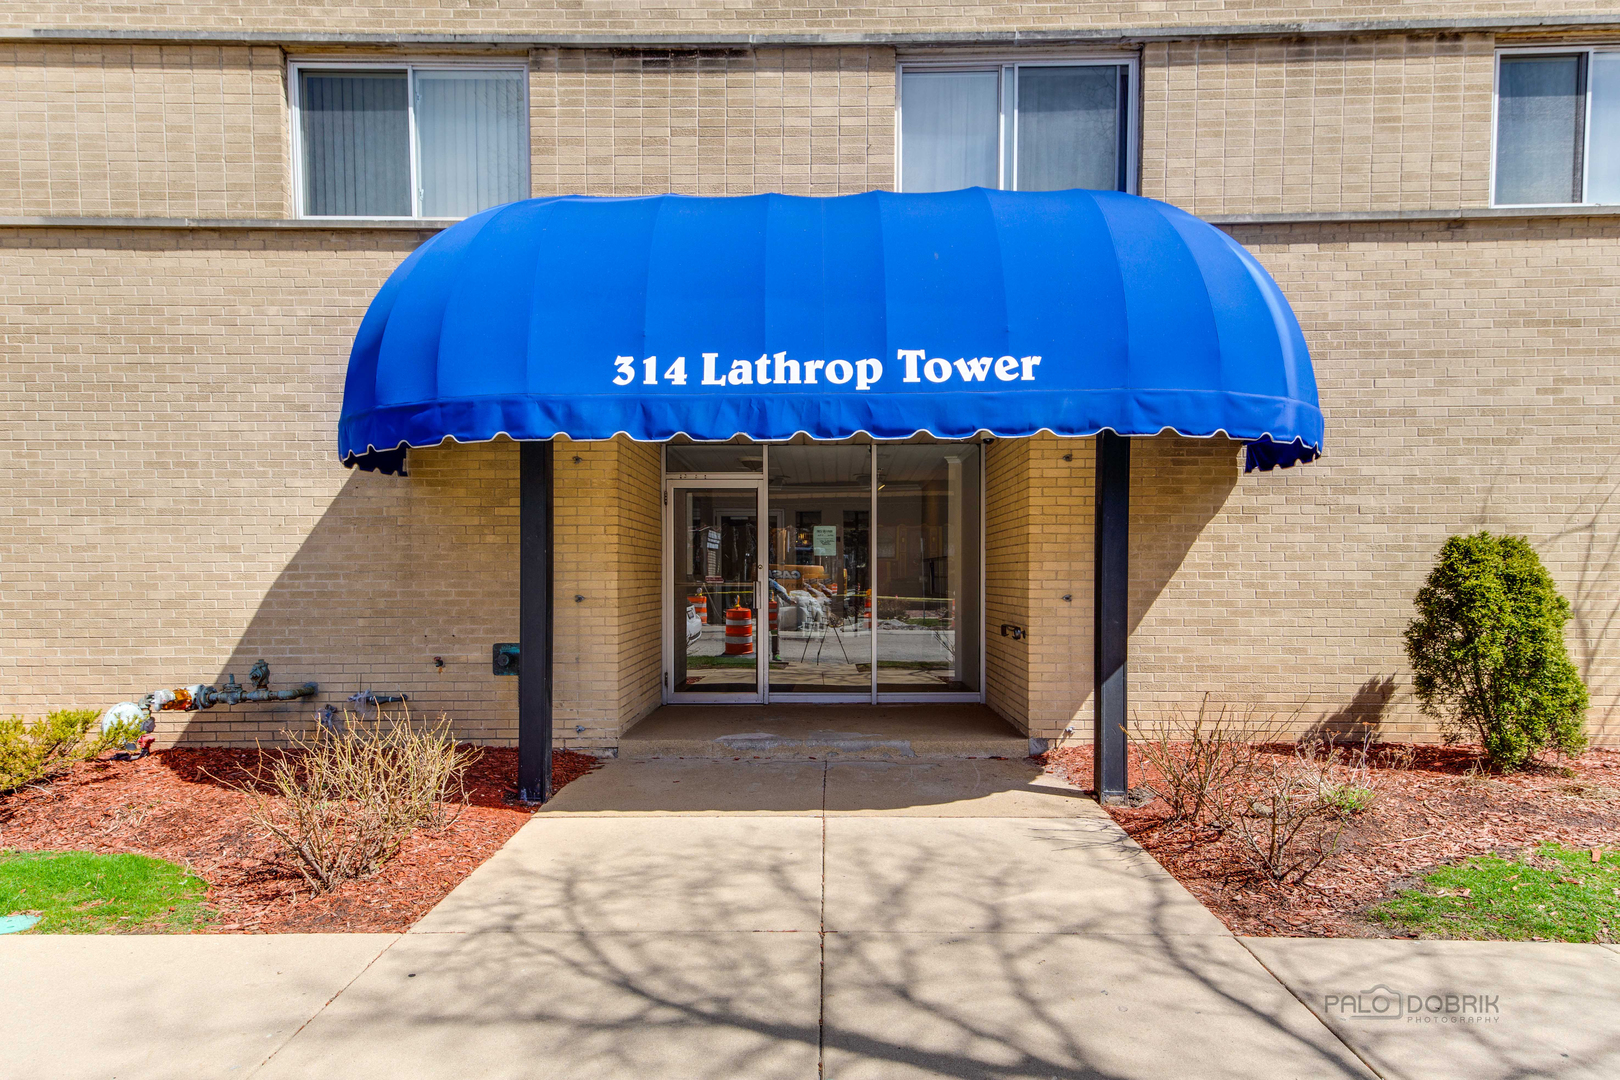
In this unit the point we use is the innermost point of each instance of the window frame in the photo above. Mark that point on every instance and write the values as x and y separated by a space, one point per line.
1586 52
1007 102
410 67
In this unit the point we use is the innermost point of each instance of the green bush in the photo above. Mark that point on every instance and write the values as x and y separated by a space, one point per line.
37 751
1488 655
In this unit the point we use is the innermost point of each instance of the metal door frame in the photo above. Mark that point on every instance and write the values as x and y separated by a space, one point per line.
761 589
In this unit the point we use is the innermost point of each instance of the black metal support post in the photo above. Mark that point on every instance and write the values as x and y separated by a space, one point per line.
534 621
1111 628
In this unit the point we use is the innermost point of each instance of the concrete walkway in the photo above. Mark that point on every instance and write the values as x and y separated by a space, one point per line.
1477 1009
699 918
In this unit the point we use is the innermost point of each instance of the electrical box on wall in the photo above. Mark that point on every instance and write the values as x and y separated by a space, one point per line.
507 657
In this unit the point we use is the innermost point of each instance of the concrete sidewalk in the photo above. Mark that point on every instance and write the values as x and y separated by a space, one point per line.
875 919
160 1007
1491 1010
697 919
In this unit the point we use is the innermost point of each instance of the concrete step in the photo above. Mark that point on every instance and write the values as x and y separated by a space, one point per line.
820 732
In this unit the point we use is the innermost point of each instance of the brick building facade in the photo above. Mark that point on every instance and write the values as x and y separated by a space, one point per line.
175 338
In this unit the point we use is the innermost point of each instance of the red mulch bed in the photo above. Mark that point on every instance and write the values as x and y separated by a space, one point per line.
1438 809
180 805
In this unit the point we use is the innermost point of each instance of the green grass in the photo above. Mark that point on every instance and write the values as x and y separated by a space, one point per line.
79 892
1556 895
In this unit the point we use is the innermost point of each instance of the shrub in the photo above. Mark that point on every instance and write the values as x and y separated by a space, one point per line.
1488 655
1349 799
38 751
1199 760
1288 818
1345 776
350 797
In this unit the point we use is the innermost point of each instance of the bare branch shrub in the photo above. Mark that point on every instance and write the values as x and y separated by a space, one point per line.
1229 769
1199 760
1346 775
347 799
1291 813
1392 755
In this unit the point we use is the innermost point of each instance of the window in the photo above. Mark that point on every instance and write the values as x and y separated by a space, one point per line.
409 141
1557 128
1031 127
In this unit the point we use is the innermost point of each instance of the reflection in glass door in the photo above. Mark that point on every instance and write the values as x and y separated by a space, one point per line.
820 575
927 560
717 637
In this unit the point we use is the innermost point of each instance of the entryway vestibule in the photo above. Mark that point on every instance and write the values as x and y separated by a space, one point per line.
823 572
1078 314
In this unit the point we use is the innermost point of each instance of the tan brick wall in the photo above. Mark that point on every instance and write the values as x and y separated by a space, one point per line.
711 17
142 130
585 687
715 122
1062 558
178 131
1008 539
1039 549
388 575
172 508
1385 123
1374 123
608 539
170 496
1469 381
640 568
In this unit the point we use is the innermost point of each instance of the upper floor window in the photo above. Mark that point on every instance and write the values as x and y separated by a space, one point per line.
1557 127
393 141
1029 127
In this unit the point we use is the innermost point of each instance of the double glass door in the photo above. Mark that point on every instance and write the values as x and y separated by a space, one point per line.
824 572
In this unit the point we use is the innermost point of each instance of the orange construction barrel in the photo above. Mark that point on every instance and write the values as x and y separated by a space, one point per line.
701 603
739 631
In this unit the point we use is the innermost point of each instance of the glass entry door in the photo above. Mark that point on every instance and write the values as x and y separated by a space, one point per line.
824 572
718 643
820 573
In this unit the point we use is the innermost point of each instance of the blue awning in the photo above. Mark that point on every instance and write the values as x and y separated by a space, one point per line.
770 315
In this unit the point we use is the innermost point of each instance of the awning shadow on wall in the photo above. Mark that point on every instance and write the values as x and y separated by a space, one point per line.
1178 486
1184 603
395 573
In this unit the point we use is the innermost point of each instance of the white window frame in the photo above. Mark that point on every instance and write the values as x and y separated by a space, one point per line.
1587 51
1007 83
410 67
